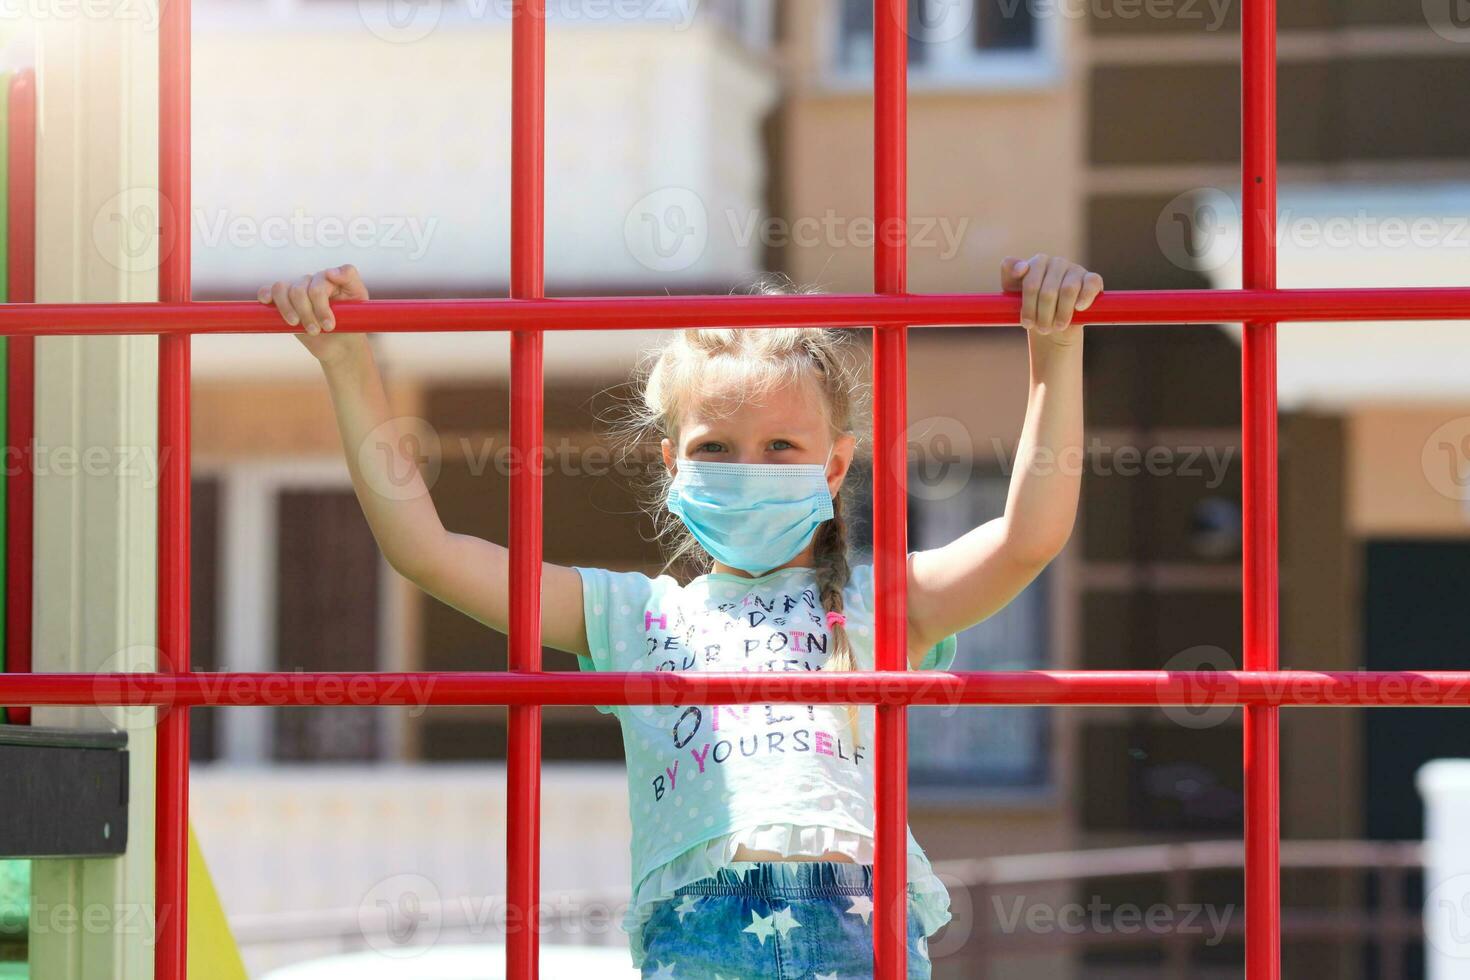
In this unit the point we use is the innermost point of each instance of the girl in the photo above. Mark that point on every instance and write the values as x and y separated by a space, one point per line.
752 824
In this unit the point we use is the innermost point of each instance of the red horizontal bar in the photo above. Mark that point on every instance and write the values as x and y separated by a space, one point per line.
1191 689
673 312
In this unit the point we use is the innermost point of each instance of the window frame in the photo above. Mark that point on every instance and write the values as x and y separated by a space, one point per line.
1038 67
1041 787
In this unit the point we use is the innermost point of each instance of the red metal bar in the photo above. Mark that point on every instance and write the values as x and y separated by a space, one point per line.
527 281
1197 690
20 417
890 485
1183 306
174 203
1260 592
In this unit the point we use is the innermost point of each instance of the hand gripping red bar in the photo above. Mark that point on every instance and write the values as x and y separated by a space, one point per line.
1180 306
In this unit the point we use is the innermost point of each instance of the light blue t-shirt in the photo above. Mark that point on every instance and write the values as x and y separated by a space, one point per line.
699 772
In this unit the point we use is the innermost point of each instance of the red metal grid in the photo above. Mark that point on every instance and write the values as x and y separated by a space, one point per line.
1260 688
20 369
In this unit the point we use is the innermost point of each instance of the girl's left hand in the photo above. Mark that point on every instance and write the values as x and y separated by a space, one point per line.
1052 289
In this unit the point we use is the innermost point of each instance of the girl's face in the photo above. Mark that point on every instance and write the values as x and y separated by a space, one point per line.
787 425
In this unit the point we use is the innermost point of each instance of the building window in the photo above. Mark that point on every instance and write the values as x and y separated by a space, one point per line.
753 22
981 747
327 598
302 587
946 37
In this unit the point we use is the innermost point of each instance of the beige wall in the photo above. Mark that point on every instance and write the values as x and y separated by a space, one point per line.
1008 162
241 420
1399 466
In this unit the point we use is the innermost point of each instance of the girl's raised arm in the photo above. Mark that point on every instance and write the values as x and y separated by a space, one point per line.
463 571
953 587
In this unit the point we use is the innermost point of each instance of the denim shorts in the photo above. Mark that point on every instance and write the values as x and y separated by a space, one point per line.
785 920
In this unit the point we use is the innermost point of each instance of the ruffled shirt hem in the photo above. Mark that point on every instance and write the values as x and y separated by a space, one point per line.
929 899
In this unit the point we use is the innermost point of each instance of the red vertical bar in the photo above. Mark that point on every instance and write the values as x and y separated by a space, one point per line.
1258 440
174 204
890 483
527 281
20 424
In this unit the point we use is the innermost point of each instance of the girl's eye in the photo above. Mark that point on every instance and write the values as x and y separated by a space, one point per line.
782 444
710 447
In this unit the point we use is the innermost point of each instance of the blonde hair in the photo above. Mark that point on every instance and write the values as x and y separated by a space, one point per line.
733 366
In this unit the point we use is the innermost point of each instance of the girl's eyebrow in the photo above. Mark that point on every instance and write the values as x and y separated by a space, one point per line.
702 438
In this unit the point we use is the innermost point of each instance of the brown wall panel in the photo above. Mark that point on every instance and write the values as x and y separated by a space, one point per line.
204 581
1150 774
1206 18
327 600
1408 107
1379 108
1123 244
569 734
1176 18
1173 377
1137 630
1190 113
1171 517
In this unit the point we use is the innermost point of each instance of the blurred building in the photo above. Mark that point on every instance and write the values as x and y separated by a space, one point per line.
692 147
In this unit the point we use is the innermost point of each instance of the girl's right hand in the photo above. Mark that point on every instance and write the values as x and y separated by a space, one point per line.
306 302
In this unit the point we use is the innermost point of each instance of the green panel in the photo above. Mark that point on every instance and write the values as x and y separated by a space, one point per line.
15 909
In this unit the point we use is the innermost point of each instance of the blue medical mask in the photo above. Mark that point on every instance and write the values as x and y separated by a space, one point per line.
751 516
